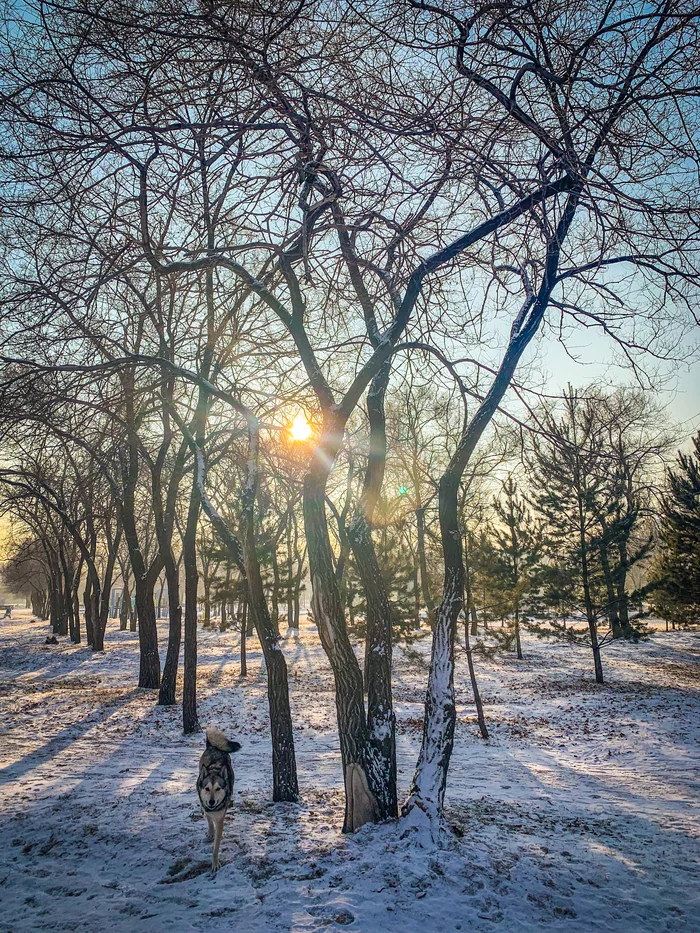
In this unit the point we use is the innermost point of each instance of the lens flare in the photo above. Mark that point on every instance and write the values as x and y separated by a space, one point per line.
300 429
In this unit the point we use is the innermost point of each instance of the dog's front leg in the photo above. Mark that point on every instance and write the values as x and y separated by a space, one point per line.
210 828
218 821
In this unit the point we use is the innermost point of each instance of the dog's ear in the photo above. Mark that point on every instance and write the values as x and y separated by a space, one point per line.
233 747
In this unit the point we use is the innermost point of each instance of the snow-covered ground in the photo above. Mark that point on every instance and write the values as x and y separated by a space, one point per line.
582 812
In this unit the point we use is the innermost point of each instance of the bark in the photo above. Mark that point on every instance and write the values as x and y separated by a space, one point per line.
427 793
330 619
106 589
276 585
469 594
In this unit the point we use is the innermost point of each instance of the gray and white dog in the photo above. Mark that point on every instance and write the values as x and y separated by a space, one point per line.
215 786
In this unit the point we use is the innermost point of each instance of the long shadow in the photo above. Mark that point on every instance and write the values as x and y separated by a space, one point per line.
63 739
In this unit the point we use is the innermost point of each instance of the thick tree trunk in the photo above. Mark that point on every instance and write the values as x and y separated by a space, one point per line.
149 659
381 721
424 806
144 581
360 806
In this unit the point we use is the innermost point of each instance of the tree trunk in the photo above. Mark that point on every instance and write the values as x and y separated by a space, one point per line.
381 721
166 695
206 621
518 645
75 587
87 603
360 806
149 659
243 621
475 687
622 598
424 581
190 722
610 590
590 614
284 767
424 805
469 594
125 608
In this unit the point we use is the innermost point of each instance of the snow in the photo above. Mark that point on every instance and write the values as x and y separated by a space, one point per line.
581 813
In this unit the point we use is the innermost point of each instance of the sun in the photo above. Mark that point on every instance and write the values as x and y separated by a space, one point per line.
300 429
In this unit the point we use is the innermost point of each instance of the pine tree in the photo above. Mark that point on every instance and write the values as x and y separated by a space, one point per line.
567 484
677 570
518 544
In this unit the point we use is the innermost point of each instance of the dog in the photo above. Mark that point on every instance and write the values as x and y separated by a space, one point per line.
215 786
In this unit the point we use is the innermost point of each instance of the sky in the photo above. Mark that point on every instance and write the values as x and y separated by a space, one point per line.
679 382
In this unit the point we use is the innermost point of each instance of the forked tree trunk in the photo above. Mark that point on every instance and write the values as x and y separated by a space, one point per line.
330 619
381 721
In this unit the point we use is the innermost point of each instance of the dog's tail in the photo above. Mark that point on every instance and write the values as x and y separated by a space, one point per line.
217 739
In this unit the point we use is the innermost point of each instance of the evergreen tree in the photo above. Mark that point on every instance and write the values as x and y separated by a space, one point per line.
518 545
677 570
567 484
